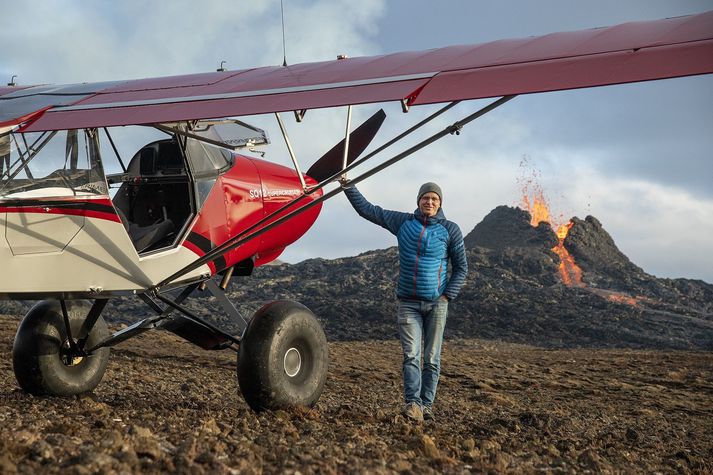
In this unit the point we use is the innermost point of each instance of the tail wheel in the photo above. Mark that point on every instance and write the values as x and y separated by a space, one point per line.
283 357
42 355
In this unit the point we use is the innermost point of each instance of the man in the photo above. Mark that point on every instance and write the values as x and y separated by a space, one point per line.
427 241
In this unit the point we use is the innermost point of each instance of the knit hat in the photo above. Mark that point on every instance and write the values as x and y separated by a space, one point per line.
430 186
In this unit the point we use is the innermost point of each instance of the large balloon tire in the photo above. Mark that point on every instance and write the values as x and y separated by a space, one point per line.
283 357
39 354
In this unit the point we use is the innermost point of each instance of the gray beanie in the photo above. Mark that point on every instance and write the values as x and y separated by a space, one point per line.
430 186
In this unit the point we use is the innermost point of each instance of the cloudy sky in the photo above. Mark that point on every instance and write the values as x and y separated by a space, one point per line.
639 157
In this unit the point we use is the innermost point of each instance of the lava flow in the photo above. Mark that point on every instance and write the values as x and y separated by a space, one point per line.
570 272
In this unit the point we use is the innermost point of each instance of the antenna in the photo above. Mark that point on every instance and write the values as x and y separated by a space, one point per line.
284 50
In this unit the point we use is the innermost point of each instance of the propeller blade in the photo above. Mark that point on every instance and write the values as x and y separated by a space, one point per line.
360 138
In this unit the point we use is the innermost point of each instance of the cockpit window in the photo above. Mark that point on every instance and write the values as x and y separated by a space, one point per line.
206 159
50 164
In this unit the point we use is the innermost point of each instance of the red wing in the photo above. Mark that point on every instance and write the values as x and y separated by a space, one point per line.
630 52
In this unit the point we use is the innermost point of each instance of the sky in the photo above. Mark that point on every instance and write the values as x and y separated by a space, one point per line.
638 157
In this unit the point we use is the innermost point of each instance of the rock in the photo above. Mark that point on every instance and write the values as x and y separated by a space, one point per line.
401 466
102 462
139 431
205 458
591 460
128 456
111 440
41 451
473 455
6 465
468 444
428 447
210 427
501 461
188 447
147 447
631 435
92 404
489 445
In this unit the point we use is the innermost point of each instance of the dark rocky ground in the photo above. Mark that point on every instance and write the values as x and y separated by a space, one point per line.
611 376
167 406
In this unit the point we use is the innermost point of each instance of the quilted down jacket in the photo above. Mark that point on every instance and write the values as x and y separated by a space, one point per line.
425 246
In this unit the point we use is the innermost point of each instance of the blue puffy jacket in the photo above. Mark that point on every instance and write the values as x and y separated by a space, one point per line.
425 245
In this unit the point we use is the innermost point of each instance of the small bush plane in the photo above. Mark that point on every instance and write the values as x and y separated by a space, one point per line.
191 208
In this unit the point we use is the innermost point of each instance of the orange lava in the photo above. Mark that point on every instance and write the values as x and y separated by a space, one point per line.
539 209
621 298
570 272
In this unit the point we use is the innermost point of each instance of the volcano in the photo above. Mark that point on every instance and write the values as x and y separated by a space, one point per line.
515 292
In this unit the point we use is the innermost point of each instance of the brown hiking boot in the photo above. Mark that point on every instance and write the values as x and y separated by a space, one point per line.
413 411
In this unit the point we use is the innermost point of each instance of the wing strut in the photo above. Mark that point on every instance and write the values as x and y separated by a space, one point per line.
346 137
253 231
292 152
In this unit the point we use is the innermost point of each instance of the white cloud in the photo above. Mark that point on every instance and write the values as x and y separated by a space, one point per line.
69 41
660 228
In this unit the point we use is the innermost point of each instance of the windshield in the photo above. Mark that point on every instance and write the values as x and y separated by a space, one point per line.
50 164
206 160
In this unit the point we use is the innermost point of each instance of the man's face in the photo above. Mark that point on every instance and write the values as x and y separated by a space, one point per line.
429 204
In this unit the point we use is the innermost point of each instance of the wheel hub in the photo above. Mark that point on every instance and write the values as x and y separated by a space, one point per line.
292 362
68 358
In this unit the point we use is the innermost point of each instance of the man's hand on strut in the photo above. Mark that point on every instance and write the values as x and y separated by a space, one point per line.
443 298
344 181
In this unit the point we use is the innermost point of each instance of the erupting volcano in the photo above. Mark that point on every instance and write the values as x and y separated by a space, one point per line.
539 210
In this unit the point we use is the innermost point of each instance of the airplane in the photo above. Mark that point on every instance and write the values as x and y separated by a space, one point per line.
193 206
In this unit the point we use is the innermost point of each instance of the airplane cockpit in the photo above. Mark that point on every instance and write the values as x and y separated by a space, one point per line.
167 180
153 198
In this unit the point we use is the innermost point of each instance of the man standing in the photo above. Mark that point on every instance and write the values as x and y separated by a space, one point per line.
427 241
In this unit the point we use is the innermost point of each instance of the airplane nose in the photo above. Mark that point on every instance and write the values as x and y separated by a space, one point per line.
281 185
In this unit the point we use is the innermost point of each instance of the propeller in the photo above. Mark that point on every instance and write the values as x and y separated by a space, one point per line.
331 162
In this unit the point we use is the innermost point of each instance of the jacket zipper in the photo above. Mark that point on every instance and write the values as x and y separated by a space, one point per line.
418 253
438 285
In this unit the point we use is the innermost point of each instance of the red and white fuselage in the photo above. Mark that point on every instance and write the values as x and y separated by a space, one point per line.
78 245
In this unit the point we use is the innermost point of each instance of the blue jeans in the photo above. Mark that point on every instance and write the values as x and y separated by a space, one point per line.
421 322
